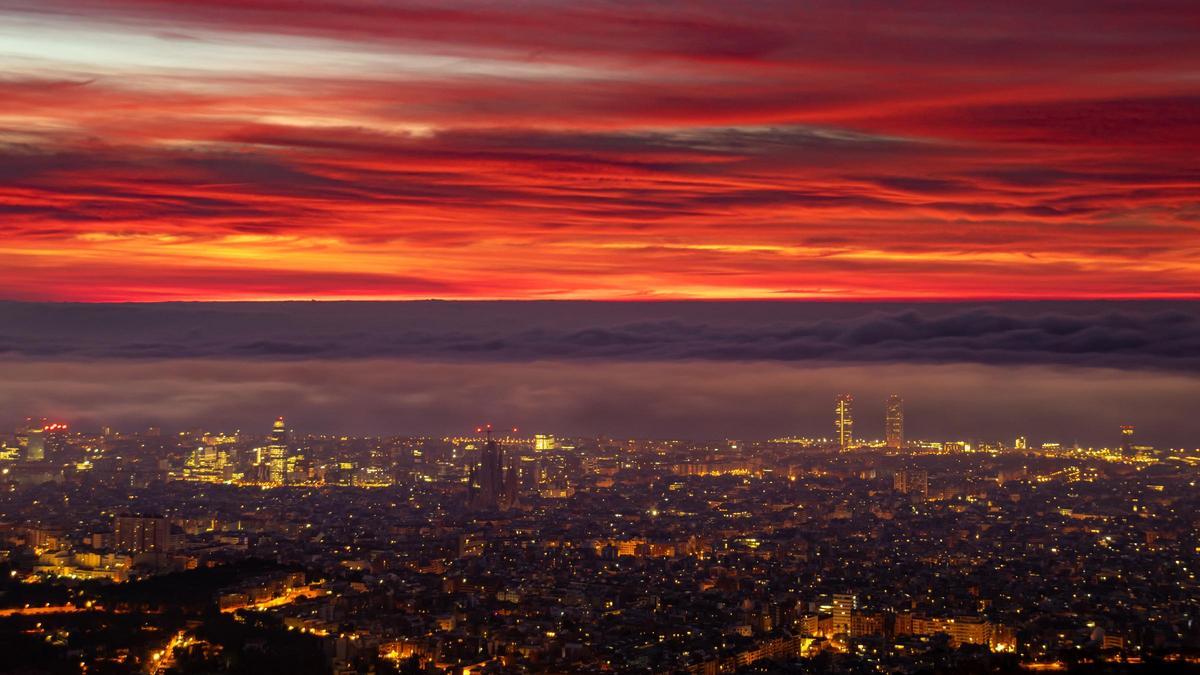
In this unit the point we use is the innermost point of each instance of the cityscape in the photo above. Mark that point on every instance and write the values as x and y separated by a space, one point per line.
556 337
495 551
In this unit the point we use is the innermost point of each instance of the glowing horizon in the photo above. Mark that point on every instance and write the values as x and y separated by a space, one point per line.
347 150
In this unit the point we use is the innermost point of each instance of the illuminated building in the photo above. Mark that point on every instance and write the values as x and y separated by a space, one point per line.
208 463
32 440
894 422
276 455
1127 448
962 630
35 445
55 439
843 421
544 442
843 605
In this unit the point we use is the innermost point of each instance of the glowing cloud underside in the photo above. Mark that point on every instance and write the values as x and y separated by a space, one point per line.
155 149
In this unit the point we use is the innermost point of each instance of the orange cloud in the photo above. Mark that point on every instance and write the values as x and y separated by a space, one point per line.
335 150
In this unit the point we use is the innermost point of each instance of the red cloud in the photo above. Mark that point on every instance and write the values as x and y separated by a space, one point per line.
590 150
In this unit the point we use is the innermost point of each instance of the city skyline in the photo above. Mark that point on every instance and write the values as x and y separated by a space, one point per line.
476 337
1065 372
797 411
276 456
155 552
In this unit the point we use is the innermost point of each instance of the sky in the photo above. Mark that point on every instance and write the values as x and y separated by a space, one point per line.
1051 371
988 208
361 149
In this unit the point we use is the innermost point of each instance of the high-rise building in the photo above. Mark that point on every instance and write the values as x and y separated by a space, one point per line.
843 605
1127 448
544 442
912 482
208 463
843 421
894 422
141 534
276 455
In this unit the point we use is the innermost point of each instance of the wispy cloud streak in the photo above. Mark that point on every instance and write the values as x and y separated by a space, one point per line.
345 149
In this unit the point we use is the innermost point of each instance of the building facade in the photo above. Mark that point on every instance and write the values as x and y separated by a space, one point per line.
894 422
843 421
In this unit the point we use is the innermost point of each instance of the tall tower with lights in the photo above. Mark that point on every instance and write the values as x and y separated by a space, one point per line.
277 453
843 421
894 422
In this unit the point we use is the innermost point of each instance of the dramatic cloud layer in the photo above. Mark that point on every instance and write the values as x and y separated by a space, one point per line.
253 149
1136 336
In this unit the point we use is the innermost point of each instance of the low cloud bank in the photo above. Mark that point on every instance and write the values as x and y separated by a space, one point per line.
1125 335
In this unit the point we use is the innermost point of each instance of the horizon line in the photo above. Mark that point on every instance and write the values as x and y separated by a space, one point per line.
1186 297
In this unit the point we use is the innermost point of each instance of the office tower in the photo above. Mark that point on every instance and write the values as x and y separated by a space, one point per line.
1127 448
208 463
276 455
843 605
141 534
544 442
843 421
912 482
894 422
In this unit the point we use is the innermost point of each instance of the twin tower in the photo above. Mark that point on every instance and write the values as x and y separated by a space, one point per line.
843 422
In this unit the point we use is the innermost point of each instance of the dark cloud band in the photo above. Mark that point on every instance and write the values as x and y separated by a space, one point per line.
1129 335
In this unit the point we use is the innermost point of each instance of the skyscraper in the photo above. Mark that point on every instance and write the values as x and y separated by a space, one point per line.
894 422
277 453
843 421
